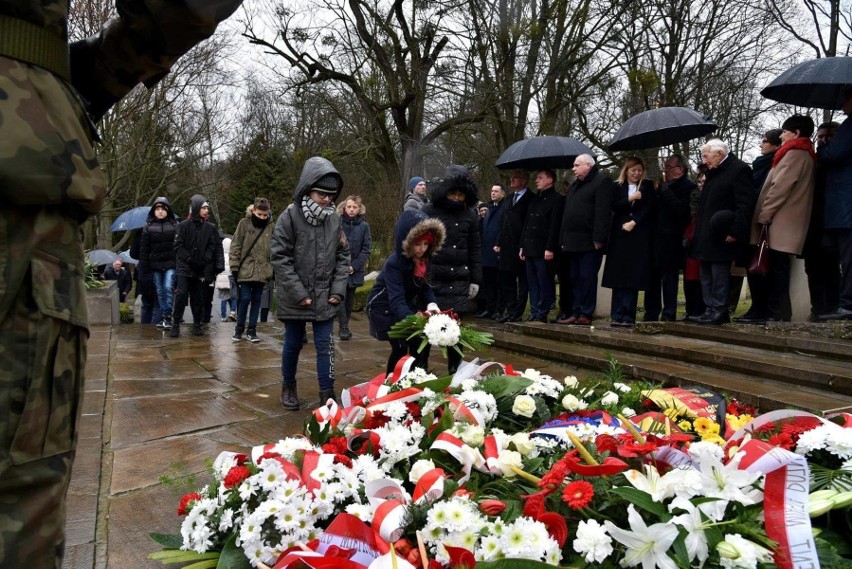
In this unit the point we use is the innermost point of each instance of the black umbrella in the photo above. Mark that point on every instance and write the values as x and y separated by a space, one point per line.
661 127
819 83
102 256
542 153
131 219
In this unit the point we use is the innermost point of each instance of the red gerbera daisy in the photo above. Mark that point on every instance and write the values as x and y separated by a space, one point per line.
578 494
235 476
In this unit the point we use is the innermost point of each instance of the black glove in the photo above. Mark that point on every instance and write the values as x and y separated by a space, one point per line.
235 274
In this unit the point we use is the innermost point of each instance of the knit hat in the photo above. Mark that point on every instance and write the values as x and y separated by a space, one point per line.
414 181
327 184
428 237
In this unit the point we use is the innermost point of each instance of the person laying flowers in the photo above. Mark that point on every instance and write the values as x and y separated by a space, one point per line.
401 288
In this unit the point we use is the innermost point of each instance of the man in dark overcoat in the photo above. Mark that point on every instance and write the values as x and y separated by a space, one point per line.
513 272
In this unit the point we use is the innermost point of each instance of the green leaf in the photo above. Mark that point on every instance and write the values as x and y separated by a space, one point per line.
232 556
642 500
436 385
207 564
505 385
317 434
168 541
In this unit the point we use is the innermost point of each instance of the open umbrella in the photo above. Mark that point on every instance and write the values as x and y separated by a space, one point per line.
819 83
542 152
661 127
131 219
102 256
125 256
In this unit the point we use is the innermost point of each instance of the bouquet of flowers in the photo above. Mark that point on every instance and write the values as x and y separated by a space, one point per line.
443 330
521 470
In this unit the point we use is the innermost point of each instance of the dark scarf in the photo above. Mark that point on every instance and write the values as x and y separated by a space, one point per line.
259 223
798 143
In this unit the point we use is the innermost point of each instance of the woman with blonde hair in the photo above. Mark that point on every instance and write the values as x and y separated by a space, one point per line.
357 232
628 262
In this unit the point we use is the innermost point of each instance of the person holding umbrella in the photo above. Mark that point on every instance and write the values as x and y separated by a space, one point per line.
836 156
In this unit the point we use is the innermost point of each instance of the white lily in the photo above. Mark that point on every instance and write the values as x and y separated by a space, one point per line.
696 541
651 483
645 545
726 482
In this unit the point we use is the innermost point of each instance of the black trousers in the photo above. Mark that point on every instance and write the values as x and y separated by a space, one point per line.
515 291
209 290
401 348
491 291
663 281
822 266
192 289
770 293
566 285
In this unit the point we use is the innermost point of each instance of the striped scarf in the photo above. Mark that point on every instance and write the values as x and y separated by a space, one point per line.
314 213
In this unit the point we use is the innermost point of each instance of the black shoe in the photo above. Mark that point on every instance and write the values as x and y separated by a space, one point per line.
175 331
715 318
497 316
327 394
839 314
346 334
288 397
252 337
482 314
516 318
197 330
750 318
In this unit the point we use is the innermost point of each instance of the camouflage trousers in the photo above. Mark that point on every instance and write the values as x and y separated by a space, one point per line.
42 361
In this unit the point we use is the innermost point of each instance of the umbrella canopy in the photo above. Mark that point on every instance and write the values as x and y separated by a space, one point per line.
542 153
102 256
131 219
661 127
819 83
125 256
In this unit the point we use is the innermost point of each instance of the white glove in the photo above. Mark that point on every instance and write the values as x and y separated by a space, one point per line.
433 308
472 291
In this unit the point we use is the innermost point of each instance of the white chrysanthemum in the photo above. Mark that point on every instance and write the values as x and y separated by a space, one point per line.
480 401
196 528
622 387
839 442
815 439
489 549
469 384
609 398
361 511
592 541
288 447
442 331
397 411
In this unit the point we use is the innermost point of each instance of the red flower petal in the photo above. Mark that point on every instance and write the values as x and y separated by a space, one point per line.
556 526
609 467
578 494
460 558
492 507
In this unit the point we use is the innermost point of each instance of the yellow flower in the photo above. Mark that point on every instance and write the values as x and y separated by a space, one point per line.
738 422
685 426
705 425
715 439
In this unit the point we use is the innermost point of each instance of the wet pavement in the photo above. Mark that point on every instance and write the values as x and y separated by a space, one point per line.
158 410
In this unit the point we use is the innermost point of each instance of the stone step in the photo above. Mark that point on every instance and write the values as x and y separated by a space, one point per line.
796 369
827 340
767 394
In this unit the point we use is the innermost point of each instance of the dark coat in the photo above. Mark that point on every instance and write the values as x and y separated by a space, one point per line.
397 292
310 261
491 225
459 262
144 279
672 218
836 157
124 278
357 232
628 258
511 228
196 243
541 229
728 189
587 213
760 168
157 244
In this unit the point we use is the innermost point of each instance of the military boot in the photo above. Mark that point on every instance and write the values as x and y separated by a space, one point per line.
288 397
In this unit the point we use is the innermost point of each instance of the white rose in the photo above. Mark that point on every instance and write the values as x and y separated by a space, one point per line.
628 412
570 402
418 469
523 443
508 459
524 406
571 381
473 436
609 398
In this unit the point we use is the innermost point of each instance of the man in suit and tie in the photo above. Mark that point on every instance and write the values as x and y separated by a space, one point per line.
513 273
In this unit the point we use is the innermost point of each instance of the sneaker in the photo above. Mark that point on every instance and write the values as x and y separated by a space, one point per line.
236 337
288 397
345 334
232 316
161 325
223 320
252 338
197 330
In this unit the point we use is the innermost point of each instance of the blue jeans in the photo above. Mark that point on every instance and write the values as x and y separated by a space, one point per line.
165 283
250 293
226 305
294 335
540 275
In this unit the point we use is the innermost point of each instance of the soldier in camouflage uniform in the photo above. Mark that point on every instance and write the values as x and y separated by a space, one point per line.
50 182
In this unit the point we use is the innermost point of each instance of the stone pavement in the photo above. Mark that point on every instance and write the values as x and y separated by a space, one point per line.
157 411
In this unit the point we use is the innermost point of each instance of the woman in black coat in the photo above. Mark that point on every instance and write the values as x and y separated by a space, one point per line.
628 262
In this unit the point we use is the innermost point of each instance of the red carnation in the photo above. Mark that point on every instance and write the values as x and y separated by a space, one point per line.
343 459
578 494
555 476
606 443
236 475
413 409
185 502
335 445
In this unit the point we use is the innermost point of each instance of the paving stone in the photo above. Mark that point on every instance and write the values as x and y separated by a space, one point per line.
82 514
96 370
248 378
142 465
79 556
170 369
93 402
150 418
262 431
138 354
165 387
90 427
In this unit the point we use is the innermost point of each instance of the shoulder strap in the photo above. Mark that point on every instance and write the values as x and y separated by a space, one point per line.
247 251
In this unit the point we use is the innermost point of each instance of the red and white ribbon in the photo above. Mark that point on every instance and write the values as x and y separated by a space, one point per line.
390 501
493 445
785 502
402 396
463 412
468 457
430 486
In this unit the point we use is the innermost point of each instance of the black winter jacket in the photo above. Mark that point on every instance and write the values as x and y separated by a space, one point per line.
673 217
587 213
195 244
157 245
511 229
541 228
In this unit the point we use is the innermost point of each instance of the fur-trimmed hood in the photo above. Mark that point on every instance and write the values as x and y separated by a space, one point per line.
458 178
412 225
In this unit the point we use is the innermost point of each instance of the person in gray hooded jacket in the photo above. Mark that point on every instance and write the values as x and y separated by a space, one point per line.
310 256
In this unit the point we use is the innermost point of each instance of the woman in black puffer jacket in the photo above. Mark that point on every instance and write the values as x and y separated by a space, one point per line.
157 255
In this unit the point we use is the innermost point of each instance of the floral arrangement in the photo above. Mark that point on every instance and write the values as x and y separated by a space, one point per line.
503 469
443 330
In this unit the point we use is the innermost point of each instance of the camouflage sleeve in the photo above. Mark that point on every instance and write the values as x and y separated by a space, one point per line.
140 46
